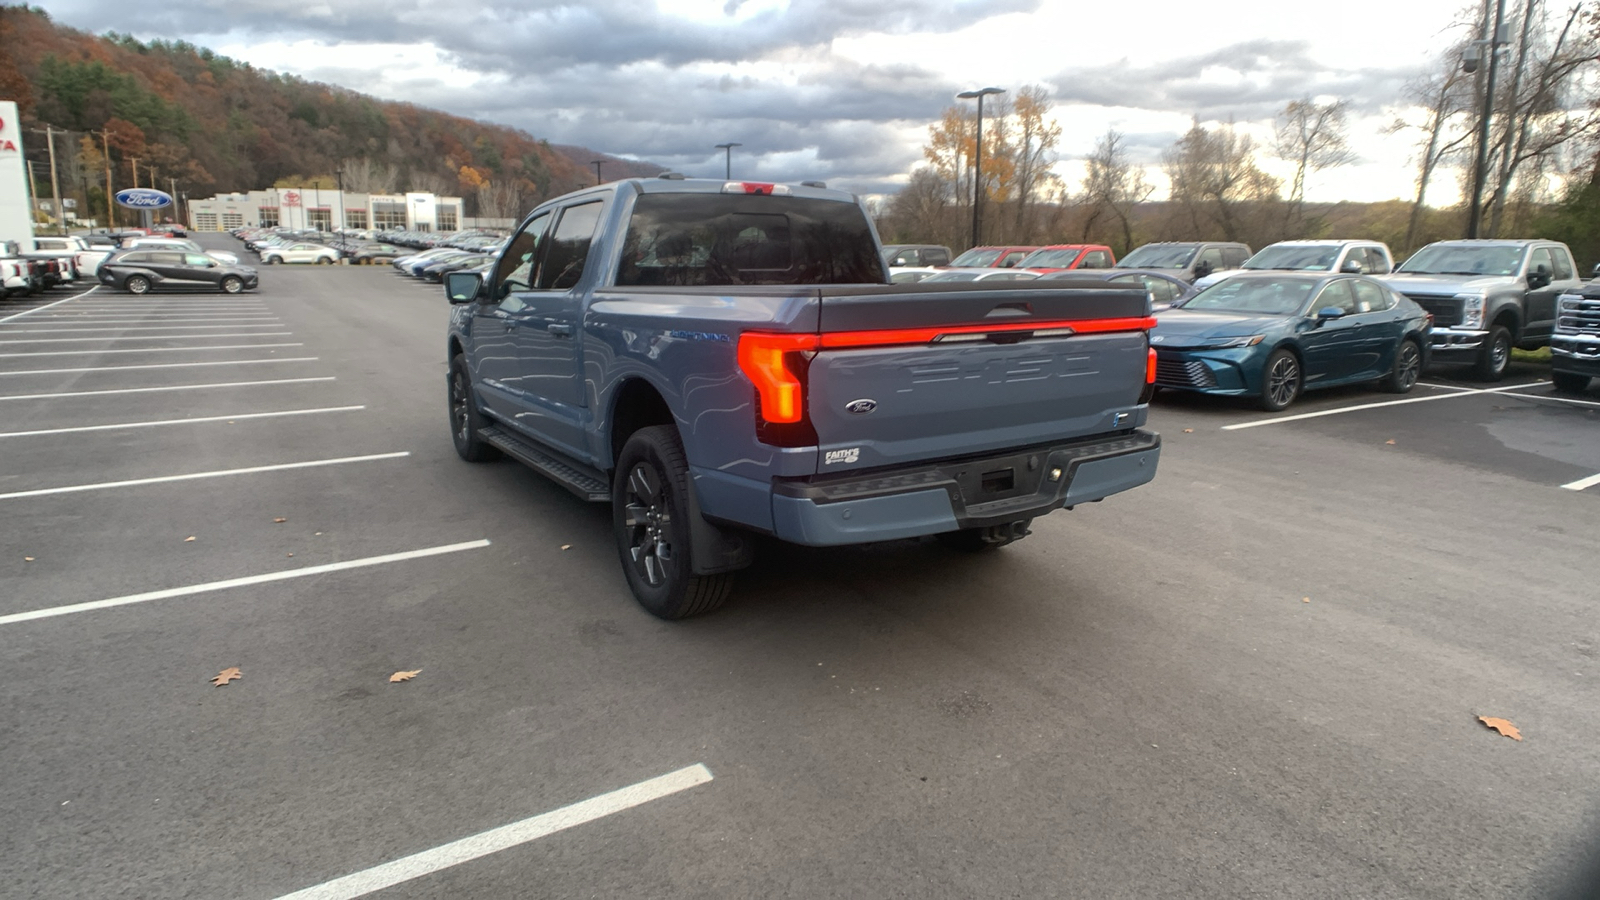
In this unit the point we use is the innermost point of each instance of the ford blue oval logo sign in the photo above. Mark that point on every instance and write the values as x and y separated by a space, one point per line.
861 407
143 198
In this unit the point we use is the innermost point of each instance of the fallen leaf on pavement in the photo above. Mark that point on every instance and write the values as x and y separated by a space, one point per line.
1503 726
404 676
1390 442
291 554
280 520
1188 431
27 559
188 539
566 546
227 675
1305 599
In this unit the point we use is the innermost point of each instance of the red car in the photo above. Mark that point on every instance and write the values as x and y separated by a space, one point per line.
1058 257
992 258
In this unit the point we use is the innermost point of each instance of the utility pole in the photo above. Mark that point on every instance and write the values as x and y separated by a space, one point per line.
135 161
177 210
111 218
597 163
1480 170
55 181
33 196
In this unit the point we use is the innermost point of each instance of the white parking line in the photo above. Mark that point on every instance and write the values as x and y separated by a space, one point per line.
190 365
1555 399
153 390
503 838
1348 409
49 305
148 337
194 421
134 328
151 350
158 320
192 476
1582 483
53 611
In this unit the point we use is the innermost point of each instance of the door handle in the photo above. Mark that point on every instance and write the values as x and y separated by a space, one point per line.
559 329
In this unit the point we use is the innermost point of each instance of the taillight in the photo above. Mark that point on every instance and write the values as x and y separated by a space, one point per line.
1150 366
771 363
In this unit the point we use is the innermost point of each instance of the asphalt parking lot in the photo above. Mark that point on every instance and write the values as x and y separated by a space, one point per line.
1257 676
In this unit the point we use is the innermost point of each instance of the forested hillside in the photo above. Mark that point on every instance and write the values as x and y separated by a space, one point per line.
183 116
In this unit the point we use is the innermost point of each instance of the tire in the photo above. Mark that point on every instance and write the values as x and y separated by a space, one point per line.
650 518
1282 379
271 260
982 540
324 261
1569 382
232 284
137 284
1495 356
465 420
1407 368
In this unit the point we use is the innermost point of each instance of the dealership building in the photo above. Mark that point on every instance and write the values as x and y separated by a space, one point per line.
318 209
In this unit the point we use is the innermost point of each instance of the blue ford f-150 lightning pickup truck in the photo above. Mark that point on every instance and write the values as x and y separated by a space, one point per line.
716 359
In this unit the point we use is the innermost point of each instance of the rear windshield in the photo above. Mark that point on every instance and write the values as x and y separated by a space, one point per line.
732 239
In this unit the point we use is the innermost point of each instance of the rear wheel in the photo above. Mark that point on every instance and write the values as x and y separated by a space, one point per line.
650 517
466 422
271 260
324 261
1495 355
1570 382
137 284
232 284
1407 368
1281 380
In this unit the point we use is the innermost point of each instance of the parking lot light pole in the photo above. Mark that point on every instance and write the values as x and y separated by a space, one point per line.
339 174
728 159
977 154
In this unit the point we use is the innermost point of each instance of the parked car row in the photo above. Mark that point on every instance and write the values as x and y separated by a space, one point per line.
433 265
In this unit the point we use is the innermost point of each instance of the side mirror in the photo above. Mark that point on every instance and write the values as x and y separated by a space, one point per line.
1329 313
462 287
1539 277
1351 267
1595 272
1202 270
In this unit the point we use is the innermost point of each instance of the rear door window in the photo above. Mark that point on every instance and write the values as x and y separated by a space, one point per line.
1370 297
1234 257
1563 264
935 256
568 253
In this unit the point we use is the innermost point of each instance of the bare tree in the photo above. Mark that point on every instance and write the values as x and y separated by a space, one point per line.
1112 186
1536 113
1311 135
924 210
1437 104
370 176
1037 137
1214 176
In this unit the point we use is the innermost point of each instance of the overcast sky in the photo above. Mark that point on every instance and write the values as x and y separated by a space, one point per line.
841 90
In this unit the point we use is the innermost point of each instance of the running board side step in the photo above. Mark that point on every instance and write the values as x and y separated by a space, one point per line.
589 484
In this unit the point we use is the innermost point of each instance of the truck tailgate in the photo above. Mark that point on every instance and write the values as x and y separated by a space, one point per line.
914 373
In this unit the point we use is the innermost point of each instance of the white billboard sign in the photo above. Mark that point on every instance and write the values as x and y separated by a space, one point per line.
16 219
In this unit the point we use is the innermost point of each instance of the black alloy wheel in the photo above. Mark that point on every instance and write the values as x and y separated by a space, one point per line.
137 284
232 284
466 422
1281 381
1407 368
650 515
1495 356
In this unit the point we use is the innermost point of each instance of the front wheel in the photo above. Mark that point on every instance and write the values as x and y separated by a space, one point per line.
1281 381
1495 356
137 284
466 422
232 284
1569 382
650 516
1407 368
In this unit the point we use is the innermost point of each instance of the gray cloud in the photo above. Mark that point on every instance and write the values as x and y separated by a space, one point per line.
1248 80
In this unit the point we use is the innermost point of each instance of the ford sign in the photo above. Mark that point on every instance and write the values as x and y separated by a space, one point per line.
143 198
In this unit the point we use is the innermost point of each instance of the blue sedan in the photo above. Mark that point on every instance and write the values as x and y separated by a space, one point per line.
1274 335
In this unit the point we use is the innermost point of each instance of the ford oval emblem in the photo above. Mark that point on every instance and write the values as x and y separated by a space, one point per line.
143 198
861 407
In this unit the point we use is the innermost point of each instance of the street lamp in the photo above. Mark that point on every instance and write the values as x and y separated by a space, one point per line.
597 163
728 149
977 158
1470 58
316 192
339 174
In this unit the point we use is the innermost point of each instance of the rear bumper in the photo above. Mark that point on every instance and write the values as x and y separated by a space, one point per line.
964 493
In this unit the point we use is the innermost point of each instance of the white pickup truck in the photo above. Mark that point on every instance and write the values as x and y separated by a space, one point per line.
86 258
